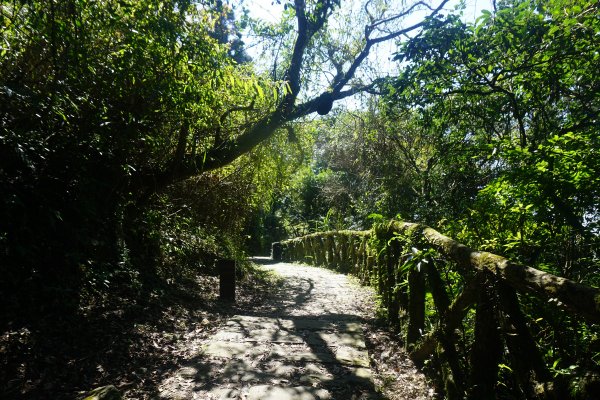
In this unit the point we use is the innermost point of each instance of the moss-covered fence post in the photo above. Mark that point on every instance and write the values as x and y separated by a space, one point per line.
454 377
526 360
309 256
486 351
329 250
353 245
319 250
416 306
315 248
343 249
371 270
364 261
392 280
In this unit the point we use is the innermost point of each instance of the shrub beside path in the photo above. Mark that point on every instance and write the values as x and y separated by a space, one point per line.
306 343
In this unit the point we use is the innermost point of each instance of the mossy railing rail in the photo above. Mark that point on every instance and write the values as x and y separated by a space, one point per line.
461 311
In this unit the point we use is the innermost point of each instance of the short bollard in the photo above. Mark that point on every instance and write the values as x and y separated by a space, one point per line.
276 251
226 279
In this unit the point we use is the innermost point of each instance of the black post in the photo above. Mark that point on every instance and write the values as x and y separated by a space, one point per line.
486 351
226 279
276 251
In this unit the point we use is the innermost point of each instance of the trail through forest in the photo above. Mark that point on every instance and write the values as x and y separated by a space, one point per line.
307 342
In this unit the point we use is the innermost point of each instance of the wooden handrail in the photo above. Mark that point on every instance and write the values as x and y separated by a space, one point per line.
490 286
581 299
576 297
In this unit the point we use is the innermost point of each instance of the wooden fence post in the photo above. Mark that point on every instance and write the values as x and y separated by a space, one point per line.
352 256
454 379
335 257
299 250
329 250
226 270
370 267
364 261
416 306
486 351
343 245
525 356
392 293
312 252
293 250
378 268
320 250
276 251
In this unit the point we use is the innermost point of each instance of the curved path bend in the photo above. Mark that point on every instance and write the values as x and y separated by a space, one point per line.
307 343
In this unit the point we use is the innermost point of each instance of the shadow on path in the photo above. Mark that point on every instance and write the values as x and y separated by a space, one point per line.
306 343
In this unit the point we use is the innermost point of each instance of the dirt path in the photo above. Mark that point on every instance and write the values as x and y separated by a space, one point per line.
306 343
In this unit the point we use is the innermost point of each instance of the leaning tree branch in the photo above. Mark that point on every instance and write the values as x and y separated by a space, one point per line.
228 150
402 14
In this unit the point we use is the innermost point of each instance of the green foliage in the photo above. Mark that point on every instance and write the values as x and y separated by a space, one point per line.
111 111
491 134
100 104
503 91
513 99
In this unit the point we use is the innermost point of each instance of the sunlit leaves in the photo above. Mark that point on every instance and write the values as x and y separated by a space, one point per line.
521 84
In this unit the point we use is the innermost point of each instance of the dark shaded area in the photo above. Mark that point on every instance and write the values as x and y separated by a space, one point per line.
130 342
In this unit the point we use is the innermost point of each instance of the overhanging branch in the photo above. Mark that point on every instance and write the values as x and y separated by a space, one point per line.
226 151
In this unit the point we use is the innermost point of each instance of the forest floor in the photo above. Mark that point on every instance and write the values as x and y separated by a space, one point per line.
292 326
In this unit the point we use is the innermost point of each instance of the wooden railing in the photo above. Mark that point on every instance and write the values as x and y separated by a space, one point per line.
415 271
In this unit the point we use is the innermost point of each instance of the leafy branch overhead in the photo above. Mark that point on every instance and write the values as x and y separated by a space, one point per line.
311 21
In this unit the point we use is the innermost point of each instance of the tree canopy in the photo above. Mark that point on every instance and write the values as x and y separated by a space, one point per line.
140 140
115 111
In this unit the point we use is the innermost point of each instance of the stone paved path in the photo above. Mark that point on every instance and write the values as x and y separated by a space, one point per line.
306 344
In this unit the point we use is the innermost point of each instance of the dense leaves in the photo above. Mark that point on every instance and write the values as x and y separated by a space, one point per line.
92 95
489 133
130 132
520 82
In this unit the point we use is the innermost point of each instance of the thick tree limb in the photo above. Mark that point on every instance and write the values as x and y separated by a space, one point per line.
308 24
